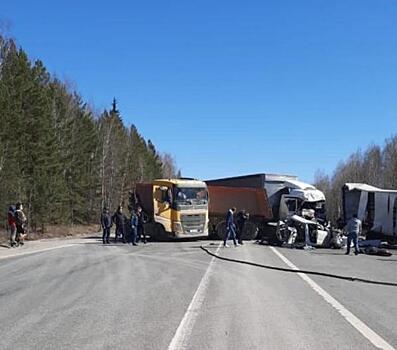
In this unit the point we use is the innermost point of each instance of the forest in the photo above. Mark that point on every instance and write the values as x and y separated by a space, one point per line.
61 159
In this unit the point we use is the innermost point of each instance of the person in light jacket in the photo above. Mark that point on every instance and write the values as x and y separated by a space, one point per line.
353 228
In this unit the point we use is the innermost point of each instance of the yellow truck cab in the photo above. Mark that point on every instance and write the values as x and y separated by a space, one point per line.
175 208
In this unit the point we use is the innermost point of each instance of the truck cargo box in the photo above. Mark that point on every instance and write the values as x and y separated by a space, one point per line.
253 200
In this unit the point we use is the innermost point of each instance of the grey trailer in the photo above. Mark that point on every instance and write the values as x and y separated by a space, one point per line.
375 207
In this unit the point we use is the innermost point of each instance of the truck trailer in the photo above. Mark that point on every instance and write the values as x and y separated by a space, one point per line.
375 207
174 208
253 200
285 194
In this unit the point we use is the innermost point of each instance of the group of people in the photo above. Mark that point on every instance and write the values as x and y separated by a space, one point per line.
135 223
235 226
17 221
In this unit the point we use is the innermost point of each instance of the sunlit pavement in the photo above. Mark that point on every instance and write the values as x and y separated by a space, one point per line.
80 294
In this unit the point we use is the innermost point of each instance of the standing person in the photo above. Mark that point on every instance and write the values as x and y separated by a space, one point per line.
230 228
119 219
20 222
353 228
12 225
106 222
241 217
141 227
134 227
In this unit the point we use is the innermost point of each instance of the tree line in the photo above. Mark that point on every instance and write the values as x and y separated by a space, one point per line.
60 158
376 166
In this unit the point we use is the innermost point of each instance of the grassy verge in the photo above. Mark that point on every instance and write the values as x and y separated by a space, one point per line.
58 231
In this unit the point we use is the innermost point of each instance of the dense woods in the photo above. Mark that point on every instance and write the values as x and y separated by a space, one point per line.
376 166
57 156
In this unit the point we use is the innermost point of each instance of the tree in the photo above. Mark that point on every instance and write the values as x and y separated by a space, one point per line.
56 156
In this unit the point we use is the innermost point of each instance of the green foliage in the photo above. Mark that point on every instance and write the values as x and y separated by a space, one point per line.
58 158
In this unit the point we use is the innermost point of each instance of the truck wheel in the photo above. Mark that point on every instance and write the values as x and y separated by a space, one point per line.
159 233
250 231
221 230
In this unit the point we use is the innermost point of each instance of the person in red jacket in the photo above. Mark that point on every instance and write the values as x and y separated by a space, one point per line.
12 225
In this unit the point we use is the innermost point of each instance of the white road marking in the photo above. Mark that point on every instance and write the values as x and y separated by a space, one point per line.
36 251
179 341
367 332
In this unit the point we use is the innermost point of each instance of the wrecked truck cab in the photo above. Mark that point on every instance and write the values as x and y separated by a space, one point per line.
304 200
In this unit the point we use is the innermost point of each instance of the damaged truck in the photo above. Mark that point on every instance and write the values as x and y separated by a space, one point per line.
375 207
277 198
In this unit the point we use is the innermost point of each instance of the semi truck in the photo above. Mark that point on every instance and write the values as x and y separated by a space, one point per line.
286 195
281 195
174 208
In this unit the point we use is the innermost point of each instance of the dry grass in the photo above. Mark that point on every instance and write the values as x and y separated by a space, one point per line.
59 231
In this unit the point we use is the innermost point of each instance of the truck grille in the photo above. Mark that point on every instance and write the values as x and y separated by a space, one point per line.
193 223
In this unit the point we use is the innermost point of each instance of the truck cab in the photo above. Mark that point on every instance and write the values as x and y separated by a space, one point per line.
177 208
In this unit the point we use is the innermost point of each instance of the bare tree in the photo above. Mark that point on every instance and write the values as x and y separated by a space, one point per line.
169 166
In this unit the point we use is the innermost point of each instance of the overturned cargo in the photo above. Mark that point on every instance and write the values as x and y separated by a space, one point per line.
375 207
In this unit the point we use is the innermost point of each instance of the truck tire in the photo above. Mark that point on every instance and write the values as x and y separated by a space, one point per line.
155 231
159 232
221 230
250 231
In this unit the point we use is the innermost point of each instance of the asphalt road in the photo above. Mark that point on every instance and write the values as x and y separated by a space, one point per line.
79 294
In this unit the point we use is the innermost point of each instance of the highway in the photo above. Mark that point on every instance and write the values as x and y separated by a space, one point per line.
80 294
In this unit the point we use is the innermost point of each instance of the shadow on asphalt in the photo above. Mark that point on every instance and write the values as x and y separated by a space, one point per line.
387 259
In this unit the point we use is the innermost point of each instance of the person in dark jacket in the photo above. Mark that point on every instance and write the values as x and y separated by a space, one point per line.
106 222
12 225
230 228
134 227
119 220
141 227
241 217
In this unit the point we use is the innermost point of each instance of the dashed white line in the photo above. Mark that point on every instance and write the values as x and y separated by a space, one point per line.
367 332
179 341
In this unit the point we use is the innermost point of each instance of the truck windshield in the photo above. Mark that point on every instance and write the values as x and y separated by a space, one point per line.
190 195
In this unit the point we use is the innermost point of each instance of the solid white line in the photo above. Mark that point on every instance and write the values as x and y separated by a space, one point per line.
36 251
367 332
179 341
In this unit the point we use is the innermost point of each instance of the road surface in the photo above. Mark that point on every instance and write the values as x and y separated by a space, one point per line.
79 294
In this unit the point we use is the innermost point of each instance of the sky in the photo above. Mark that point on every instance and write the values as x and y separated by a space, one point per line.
228 87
